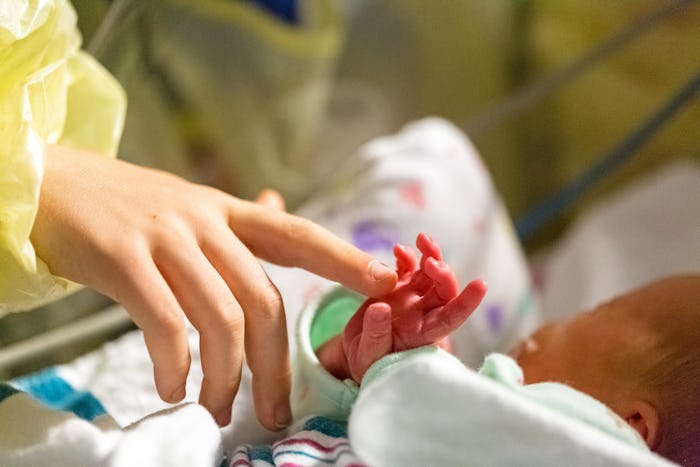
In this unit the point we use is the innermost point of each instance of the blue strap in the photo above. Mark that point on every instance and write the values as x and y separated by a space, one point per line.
54 392
548 209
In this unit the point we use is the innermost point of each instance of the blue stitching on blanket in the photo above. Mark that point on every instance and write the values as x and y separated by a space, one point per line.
326 426
261 453
308 455
54 392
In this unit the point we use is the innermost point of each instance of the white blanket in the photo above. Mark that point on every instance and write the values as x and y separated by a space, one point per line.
433 411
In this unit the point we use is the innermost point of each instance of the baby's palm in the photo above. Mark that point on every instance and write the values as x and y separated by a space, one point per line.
423 309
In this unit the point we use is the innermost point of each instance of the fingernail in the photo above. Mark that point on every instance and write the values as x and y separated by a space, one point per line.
379 271
223 418
380 317
178 394
283 415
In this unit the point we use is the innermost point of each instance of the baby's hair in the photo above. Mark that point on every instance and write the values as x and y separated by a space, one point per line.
672 371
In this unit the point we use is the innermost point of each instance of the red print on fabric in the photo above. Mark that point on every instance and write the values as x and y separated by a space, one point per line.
412 193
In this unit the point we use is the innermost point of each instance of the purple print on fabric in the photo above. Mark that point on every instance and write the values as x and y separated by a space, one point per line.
494 317
371 235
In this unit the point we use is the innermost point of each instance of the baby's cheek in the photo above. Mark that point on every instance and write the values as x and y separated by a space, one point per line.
537 366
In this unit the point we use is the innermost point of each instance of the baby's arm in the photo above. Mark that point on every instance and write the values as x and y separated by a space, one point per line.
423 309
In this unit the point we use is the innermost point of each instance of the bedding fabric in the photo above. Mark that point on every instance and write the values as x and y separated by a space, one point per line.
426 178
415 408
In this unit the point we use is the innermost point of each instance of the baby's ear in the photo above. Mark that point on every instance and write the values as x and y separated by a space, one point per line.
643 417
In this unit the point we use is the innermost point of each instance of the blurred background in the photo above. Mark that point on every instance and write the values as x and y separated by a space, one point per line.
249 94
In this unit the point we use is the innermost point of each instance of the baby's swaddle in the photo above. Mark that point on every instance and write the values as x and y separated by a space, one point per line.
424 407
430 410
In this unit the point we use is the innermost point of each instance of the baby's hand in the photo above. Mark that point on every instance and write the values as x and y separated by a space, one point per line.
423 309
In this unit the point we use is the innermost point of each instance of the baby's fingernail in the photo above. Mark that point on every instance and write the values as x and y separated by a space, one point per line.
380 317
223 418
379 271
178 394
283 415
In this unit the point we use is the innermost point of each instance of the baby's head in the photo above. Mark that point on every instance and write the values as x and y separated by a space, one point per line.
640 355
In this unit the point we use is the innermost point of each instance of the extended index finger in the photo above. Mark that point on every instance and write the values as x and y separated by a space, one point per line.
288 240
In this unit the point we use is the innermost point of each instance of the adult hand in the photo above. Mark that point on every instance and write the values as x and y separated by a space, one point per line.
166 248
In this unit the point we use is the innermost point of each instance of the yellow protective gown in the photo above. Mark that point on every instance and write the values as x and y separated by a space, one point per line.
50 92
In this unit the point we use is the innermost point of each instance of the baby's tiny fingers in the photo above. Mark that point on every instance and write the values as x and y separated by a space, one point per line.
428 247
406 261
445 282
420 282
375 340
442 321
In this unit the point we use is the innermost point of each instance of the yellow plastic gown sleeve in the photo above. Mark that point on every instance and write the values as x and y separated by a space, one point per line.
50 92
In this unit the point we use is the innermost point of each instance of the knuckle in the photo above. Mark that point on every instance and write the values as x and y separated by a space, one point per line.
269 304
168 226
230 320
377 335
170 325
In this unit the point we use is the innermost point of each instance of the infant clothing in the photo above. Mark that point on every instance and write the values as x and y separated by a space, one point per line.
426 178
